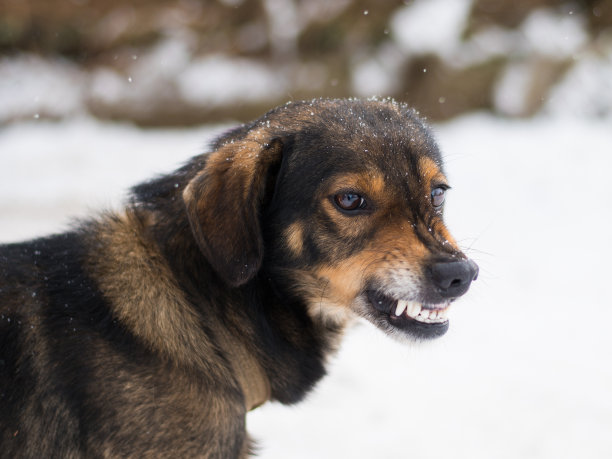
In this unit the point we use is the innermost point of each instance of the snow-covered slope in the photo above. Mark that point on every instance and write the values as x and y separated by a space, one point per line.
526 368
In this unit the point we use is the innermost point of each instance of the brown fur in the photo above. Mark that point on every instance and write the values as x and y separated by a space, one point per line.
150 332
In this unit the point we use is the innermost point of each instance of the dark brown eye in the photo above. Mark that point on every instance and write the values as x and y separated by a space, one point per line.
350 201
437 197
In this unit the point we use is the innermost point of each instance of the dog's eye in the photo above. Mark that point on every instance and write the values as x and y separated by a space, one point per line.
350 201
437 197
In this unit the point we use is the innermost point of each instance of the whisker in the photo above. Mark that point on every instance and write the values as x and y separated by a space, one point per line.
481 252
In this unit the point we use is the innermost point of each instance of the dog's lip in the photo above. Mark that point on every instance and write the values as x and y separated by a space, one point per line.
409 310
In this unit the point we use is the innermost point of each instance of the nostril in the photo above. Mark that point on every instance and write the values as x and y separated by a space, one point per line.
453 278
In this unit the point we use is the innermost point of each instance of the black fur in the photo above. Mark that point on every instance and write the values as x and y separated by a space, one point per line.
92 365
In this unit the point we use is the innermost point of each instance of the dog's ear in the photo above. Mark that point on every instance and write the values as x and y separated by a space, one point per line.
223 205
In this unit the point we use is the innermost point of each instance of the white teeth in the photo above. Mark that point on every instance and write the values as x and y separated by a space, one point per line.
433 315
414 309
401 307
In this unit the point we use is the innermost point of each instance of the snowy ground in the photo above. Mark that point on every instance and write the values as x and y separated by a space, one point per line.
525 370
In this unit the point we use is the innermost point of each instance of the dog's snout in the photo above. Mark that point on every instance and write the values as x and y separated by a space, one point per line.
453 278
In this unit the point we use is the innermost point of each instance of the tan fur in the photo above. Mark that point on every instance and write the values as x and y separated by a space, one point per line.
251 377
225 284
294 235
144 294
229 191
430 171
392 249
145 297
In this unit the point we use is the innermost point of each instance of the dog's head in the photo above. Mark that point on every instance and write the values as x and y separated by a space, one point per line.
340 202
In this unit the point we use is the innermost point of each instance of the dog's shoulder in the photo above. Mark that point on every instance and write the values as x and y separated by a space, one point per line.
95 325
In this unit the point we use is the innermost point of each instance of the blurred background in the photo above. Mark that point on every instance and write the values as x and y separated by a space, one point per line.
183 62
96 96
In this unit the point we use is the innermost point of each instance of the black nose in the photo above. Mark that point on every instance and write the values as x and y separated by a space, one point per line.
453 278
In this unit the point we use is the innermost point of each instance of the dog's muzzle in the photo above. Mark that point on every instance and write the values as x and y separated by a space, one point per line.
425 315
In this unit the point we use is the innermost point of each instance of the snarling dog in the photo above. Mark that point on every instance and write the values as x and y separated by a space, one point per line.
152 331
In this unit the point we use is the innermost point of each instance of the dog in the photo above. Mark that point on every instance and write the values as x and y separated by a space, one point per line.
152 331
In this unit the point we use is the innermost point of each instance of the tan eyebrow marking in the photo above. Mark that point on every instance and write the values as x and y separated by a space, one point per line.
430 171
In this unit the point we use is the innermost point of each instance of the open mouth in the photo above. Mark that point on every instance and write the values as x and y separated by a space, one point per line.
415 318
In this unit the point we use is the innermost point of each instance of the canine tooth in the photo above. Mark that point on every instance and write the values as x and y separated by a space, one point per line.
401 307
414 309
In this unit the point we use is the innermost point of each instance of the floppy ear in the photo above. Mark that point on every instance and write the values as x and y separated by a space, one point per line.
223 203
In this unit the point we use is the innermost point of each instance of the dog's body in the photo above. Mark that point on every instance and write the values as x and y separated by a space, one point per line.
151 332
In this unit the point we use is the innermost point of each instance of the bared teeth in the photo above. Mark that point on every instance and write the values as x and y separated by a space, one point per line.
431 313
416 311
435 314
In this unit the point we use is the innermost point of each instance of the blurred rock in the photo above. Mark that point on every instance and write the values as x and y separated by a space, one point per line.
443 91
599 15
507 14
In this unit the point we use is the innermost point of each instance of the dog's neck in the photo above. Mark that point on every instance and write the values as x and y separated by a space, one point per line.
265 345
250 375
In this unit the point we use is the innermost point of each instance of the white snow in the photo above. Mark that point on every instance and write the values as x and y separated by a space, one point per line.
555 34
437 26
50 172
205 81
524 371
512 89
593 75
430 26
171 67
284 25
378 74
31 86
